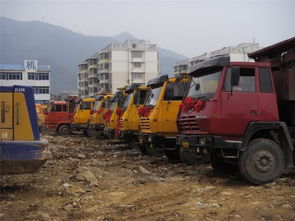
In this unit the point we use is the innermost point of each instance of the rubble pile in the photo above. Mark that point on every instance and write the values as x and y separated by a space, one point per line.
91 179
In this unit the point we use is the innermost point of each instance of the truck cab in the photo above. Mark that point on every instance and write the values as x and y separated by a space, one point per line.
114 114
59 116
129 122
82 114
41 117
21 148
230 112
97 122
157 120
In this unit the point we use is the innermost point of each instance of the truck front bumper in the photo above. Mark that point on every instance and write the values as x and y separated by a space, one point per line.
77 127
96 127
205 142
158 141
109 133
19 157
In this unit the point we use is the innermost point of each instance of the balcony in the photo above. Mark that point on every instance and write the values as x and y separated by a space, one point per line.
104 60
137 69
137 59
92 66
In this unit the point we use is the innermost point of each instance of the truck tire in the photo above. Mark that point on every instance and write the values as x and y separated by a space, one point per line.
262 162
142 149
64 130
90 132
192 158
151 150
220 166
173 156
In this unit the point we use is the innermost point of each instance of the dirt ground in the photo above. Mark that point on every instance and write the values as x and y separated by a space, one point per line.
90 179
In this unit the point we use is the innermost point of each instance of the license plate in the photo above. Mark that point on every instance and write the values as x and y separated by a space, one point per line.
185 144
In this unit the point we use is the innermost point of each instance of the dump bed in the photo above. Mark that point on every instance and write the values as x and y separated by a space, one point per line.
281 56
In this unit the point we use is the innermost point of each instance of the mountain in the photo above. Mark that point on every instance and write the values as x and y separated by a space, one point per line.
60 48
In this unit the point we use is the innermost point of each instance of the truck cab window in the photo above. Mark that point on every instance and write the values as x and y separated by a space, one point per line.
85 106
140 96
175 90
246 82
56 108
265 81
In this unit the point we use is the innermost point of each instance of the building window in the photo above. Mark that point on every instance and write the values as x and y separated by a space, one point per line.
14 76
31 76
38 76
136 64
41 89
136 54
137 76
3 76
43 76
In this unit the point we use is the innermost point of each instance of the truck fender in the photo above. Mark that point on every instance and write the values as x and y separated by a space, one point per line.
62 123
285 138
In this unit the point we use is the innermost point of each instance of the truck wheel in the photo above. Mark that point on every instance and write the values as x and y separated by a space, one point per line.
64 130
262 162
192 158
173 156
90 132
220 166
151 150
142 149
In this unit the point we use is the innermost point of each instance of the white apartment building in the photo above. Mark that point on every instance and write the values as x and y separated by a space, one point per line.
118 65
236 53
29 74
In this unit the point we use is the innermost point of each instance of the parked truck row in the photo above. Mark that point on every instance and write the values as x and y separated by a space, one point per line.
235 115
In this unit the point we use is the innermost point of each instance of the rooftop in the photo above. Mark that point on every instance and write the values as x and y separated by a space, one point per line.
20 67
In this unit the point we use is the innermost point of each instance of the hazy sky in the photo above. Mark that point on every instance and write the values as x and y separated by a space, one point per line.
188 27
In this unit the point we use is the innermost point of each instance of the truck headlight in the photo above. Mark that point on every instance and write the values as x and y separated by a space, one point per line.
202 141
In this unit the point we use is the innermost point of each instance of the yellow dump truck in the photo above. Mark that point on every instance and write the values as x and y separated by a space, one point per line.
129 122
97 121
157 120
114 114
41 117
82 114
21 148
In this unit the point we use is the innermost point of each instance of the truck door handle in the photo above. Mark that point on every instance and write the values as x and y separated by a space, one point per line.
253 112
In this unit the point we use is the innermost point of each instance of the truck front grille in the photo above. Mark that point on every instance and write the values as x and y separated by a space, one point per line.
188 123
144 123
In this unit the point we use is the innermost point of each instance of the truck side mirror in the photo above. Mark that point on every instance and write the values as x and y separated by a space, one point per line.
235 76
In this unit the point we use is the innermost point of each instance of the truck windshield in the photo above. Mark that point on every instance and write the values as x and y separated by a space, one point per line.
97 104
127 100
112 105
107 103
204 86
153 96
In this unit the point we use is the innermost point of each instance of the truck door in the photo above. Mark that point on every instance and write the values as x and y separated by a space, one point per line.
170 105
6 116
239 104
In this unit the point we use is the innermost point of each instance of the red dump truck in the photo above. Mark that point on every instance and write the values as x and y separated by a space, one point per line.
59 115
242 114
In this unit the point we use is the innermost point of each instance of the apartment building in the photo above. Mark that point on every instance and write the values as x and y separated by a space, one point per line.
28 74
118 65
236 53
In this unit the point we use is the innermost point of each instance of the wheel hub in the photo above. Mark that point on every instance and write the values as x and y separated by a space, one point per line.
264 162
